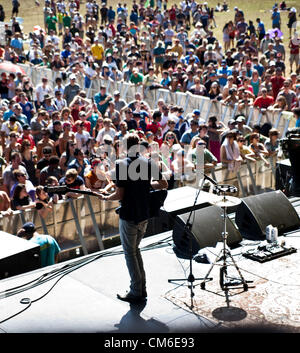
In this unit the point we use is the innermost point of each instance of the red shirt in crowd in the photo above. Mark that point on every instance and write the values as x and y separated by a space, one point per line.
263 102
154 127
28 138
294 47
277 84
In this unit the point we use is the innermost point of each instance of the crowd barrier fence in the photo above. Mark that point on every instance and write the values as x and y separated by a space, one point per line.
87 224
279 119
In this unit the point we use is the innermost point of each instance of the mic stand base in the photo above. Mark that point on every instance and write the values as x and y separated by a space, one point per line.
191 279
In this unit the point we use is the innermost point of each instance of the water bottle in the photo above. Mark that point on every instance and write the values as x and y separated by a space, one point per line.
269 233
274 235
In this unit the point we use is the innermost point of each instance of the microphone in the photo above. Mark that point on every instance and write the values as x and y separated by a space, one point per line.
210 179
56 189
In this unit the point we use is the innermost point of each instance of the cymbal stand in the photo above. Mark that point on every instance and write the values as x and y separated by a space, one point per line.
223 255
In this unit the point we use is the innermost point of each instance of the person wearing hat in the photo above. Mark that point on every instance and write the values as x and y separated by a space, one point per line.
210 56
97 51
49 105
119 102
27 136
223 72
292 20
49 248
159 57
71 90
241 125
279 47
136 78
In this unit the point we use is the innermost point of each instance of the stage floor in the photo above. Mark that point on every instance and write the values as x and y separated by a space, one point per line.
84 300
79 296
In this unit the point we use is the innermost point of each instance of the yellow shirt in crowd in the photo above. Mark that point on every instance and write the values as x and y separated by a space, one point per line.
97 51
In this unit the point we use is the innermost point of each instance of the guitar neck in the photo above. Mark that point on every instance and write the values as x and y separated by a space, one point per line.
85 192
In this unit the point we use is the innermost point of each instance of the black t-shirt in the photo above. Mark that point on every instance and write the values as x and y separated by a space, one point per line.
134 175
42 163
131 124
3 87
20 202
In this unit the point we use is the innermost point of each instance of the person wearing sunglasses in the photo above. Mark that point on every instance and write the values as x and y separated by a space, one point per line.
20 178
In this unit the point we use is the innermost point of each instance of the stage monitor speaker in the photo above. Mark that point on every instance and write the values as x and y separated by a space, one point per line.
17 255
206 231
256 212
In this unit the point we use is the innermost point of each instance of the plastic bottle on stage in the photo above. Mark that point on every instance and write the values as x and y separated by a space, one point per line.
274 235
271 234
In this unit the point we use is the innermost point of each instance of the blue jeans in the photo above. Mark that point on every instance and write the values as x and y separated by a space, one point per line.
131 235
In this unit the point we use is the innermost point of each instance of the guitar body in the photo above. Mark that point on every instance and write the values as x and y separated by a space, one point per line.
157 199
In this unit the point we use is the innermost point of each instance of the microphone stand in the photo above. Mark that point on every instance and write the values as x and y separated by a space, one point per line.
188 226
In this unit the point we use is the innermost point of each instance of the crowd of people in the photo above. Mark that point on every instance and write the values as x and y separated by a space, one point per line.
53 134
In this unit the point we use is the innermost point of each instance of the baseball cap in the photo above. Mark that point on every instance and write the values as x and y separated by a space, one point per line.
29 227
240 119
196 112
65 124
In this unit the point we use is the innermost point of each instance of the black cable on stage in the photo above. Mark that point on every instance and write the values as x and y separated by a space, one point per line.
62 272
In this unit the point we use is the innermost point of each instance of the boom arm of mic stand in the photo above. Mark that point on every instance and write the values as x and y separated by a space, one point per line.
209 179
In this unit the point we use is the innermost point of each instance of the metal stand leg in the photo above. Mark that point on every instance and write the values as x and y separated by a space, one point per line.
191 279
223 255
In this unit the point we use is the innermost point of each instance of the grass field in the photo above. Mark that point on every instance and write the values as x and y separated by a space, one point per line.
33 14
